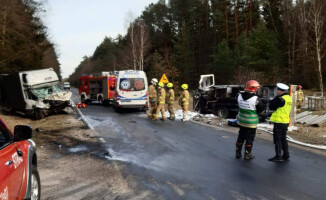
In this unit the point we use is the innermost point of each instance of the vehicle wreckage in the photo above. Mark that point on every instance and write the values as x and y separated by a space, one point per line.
35 93
221 100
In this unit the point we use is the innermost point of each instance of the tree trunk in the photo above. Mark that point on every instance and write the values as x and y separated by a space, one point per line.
132 35
250 15
316 14
236 22
226 20
207 14
4 25
141 59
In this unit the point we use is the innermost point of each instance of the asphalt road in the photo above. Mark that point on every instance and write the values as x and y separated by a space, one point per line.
179 160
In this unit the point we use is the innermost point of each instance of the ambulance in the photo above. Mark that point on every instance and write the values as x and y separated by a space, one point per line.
131 90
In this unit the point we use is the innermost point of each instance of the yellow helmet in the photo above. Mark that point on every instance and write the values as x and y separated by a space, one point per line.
160 84
169 85
184 86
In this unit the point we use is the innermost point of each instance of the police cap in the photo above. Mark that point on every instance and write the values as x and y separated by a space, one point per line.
282 87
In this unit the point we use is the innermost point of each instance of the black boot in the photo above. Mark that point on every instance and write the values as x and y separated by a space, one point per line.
248 154
276 159
238 150
286 156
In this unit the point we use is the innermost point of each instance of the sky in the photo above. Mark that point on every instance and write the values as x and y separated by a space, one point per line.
77 27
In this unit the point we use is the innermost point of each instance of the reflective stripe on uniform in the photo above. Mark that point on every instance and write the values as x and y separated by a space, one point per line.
246 125
247 116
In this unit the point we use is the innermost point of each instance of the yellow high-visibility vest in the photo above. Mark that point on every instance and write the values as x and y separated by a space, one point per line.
282 114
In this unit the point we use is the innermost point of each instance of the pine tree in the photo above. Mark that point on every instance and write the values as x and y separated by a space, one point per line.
184 56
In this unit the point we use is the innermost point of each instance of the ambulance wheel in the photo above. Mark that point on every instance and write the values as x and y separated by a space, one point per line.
223 112
143 109
116 108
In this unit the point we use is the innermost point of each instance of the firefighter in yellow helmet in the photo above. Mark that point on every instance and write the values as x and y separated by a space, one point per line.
184 101
170 100
160 101
152 98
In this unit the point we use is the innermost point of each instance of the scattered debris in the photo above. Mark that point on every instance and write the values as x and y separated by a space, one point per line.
309 118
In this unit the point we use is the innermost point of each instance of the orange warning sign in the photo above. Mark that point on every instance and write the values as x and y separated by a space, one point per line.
164 79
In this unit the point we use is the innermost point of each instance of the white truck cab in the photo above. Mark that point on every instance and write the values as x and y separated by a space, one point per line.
36 93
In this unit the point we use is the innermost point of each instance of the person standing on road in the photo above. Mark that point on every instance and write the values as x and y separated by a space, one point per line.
249 107
184 101
152 98
160 101
170 100
281 105
300 98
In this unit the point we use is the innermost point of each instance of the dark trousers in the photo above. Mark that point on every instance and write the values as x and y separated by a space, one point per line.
279 137
246 135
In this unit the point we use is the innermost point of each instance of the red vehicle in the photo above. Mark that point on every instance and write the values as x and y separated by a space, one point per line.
97 88
19 178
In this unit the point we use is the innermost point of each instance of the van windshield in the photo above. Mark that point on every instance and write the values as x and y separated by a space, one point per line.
132 84
43 92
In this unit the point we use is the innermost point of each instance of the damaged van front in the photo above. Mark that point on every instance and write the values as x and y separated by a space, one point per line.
36 93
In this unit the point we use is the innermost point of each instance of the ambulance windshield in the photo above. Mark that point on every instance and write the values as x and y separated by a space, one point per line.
132 84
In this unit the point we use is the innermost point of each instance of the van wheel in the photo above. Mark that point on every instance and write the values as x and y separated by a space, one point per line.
38 114
223 112
35 184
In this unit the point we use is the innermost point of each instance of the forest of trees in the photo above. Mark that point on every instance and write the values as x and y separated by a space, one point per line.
24 44
237 40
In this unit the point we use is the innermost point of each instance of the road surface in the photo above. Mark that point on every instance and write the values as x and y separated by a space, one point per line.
179 160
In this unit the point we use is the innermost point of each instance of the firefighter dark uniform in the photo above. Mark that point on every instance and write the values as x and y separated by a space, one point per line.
184 102
249 107
281 105
170 101
152 94
160 102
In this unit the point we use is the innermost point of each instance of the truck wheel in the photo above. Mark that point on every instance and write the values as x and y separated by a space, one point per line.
100 100
223 112
82 99
35 184
38 114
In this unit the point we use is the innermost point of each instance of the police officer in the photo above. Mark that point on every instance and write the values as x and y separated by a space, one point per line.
152 98
281 105
249 107
170 100
184 101
160 101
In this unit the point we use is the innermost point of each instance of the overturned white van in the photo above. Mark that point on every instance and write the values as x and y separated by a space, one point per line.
35 93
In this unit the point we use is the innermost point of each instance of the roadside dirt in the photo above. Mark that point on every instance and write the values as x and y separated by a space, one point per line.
72 163
309 134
